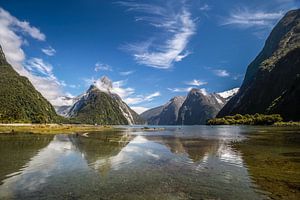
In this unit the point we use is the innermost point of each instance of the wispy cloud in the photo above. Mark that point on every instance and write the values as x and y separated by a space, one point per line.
126 73
12 37
180 89
245 18
205 7
203 90
118 87
221 72
176 27
102 67
196 82
38 67
141 98
49 51
21 26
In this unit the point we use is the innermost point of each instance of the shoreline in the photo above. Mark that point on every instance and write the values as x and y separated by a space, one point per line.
80 128
52 128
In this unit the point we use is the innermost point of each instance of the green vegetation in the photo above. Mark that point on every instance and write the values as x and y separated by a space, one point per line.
20 101
291 123
257 119
100 108
51 128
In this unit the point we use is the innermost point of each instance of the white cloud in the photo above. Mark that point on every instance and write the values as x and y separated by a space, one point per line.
12 37
139 109
39 67
205 7
126 73
102 67
117 87
41 75
180 89
244 18
203 90
20 26
196 82
176 28
49 51
127 94
141 98
123 92
221 73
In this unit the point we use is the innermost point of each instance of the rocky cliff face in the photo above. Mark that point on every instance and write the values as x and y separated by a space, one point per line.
272 80
100 106
199 107
166 114
151 116
19 100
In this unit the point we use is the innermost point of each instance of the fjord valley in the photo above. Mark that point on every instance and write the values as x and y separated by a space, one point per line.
271 86
150 100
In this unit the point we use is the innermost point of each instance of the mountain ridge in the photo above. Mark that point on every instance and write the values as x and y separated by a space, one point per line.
159 115
20 101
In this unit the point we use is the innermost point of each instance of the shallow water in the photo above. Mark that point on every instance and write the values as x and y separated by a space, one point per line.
190 162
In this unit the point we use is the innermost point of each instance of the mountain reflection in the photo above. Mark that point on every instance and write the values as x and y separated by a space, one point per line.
95 163
16 150
100 149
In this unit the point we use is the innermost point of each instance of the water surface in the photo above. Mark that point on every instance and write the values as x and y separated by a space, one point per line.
191 162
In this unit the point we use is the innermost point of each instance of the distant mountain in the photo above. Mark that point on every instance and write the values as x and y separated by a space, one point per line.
166 114
151 116
272 80
199 106
196 108
19 100
99 105
69 102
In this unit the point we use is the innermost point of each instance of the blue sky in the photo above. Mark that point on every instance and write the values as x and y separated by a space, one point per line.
151 50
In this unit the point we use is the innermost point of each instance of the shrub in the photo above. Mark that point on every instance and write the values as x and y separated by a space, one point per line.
257 119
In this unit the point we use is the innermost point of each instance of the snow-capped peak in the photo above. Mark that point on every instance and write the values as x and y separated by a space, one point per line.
197 90
228 93
104 84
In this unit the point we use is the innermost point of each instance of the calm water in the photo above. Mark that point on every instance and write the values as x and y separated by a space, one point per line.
196 162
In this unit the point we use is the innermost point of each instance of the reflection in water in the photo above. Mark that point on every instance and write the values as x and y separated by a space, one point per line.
17 149
134 164
50 160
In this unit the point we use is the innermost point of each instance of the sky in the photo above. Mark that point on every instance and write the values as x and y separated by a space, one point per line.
151 50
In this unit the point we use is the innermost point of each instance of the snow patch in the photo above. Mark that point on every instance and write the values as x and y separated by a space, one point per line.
229 93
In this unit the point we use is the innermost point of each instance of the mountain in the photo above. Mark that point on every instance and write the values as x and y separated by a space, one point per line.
166 114
19 100
99 105
272 80
151 116
196 108
199 106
